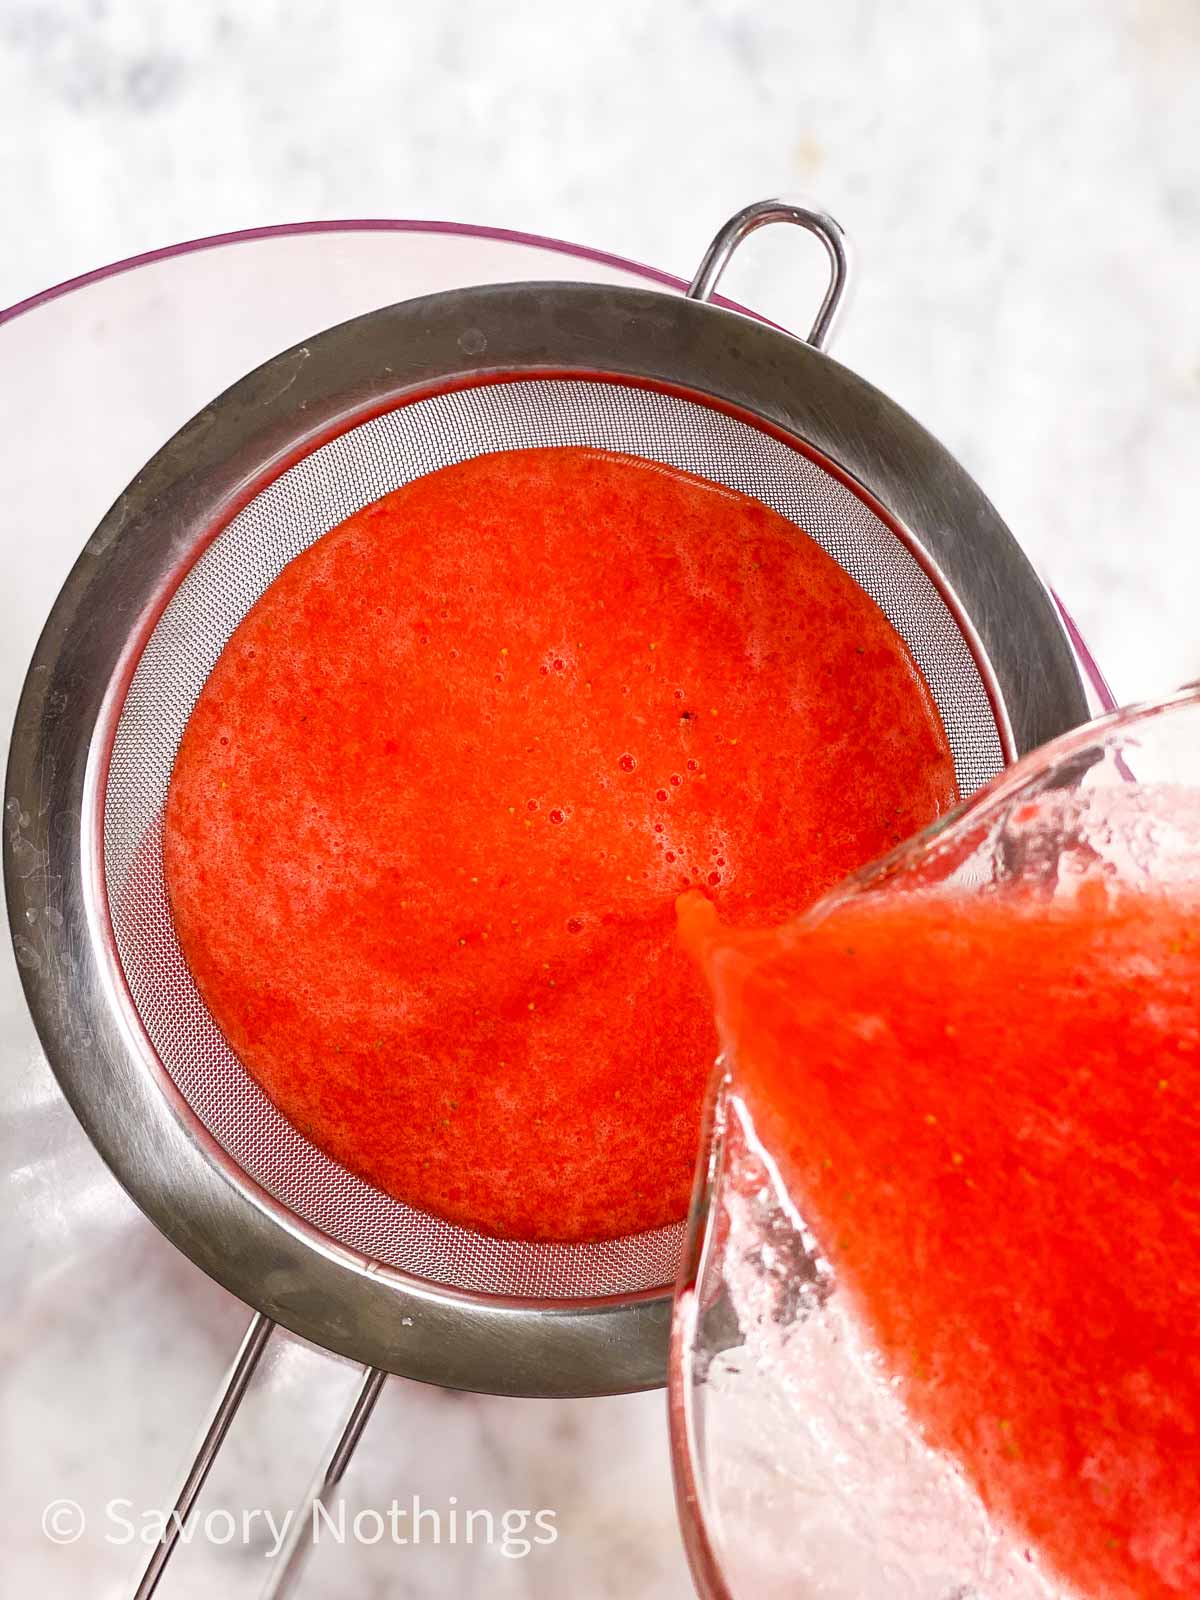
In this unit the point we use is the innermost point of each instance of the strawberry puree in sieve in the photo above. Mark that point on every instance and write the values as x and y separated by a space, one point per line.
435 802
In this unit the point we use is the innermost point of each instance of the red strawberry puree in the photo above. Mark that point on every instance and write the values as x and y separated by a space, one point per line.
434 804
989 1112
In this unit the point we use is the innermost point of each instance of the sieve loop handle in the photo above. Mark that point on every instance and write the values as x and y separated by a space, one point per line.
717 257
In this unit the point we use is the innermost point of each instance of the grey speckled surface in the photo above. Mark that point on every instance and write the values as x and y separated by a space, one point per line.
1023 184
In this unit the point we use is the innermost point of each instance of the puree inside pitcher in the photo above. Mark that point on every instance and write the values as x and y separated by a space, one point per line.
986 1107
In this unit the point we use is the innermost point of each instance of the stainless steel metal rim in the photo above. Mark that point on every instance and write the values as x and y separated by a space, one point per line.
72 698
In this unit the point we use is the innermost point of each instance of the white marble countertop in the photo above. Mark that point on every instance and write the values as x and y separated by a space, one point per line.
1023 185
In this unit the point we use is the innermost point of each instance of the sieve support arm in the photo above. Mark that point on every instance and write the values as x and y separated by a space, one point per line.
288 1563
719 253
243 1369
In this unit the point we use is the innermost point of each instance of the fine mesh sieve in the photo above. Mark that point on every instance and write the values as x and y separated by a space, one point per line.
314 495
255 478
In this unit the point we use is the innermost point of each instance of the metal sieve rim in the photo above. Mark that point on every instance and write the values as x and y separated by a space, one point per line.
94 637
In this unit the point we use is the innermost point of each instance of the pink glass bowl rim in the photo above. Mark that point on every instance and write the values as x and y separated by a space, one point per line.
471 231
283 230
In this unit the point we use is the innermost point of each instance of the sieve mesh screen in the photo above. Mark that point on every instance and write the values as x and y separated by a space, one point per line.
319 491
